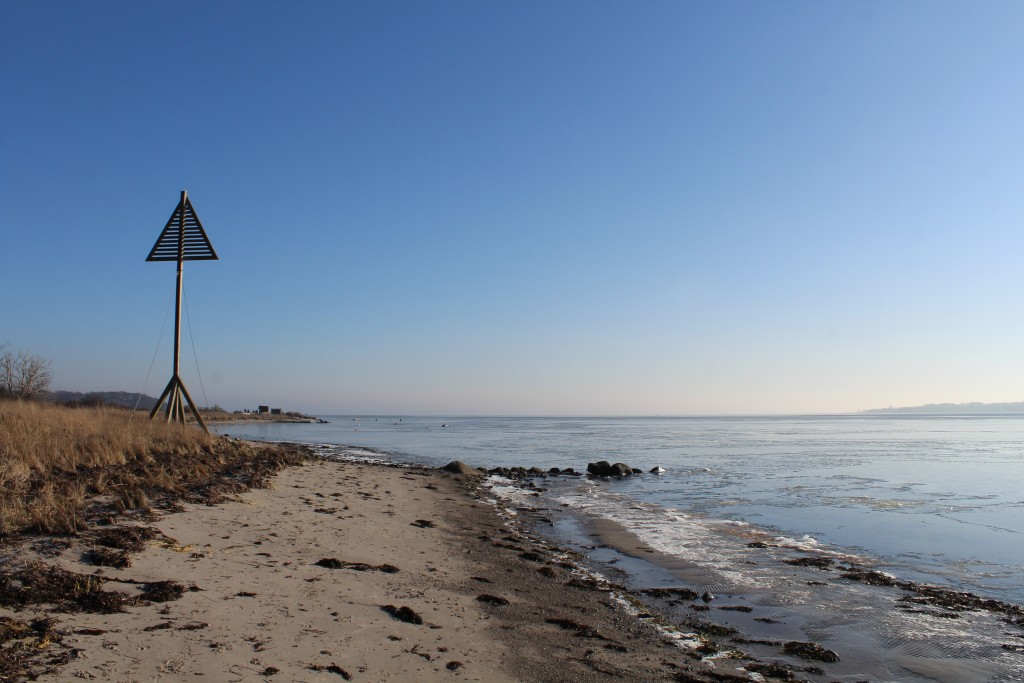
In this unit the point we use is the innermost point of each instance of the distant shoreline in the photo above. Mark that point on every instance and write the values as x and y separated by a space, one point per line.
974 408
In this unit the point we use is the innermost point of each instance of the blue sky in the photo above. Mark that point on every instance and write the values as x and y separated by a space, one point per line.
522 207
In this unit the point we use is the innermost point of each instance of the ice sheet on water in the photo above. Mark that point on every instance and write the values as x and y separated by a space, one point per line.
878 637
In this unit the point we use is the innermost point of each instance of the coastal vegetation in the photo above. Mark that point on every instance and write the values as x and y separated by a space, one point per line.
60 467
23 374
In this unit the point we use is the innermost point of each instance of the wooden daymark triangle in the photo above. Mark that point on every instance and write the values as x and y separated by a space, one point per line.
183 238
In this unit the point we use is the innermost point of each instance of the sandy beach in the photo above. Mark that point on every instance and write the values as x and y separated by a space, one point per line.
350 571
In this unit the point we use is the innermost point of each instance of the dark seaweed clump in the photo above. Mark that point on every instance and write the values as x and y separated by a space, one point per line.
162 591
334 563
42 584
406 614
108 557
128 538
810 651
29 649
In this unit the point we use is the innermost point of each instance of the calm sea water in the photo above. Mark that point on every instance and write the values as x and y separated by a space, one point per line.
938 499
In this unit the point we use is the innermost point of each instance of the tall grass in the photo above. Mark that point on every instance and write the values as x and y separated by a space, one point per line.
57 462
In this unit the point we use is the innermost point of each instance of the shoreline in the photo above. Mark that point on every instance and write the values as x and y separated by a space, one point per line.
320 575
351 570
821 616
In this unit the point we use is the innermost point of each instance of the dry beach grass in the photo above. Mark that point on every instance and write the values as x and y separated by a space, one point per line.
56 463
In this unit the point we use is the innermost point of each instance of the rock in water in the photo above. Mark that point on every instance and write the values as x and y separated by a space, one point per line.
459 467
604 469
657 469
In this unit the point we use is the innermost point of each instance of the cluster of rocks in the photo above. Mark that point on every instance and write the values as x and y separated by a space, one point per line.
459 467
601 468
530 472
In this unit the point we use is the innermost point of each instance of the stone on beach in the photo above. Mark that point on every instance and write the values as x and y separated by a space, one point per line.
459 467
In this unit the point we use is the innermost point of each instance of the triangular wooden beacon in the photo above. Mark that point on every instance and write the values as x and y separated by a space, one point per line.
182 239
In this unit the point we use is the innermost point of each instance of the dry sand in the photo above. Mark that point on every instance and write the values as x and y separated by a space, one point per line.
261 608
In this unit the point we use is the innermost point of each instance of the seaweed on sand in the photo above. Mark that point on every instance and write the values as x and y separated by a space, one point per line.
162 591
39 583
108 557
406 614
129 538
26 646
334 563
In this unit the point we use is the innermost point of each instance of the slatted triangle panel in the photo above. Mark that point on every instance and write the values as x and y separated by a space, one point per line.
193 245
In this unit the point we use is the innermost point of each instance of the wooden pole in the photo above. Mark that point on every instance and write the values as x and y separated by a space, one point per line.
177 297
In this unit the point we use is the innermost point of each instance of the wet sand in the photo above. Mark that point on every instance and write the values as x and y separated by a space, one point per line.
346 571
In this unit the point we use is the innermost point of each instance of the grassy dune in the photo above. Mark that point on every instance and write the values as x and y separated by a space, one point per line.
61 467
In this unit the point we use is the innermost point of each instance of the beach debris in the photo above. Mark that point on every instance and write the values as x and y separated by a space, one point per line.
129 538
453 665
107 557
809 651
773 669
90 632
406 614
40 583
492 599
707 597
423 524
162 591
603 468
25 646
481 579
716 630
333 563
589 584
332 668
823 563
459 467
670 593
737 608
582 630
159 627
270 671
193 626
875 578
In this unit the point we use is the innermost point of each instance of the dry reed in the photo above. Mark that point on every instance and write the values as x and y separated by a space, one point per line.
60 465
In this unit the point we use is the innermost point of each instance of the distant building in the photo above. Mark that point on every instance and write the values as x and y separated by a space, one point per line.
275 411
264 409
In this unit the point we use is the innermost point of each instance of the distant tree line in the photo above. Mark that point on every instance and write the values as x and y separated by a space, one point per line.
23 375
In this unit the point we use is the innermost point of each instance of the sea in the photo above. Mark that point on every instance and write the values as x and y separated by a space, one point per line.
931 499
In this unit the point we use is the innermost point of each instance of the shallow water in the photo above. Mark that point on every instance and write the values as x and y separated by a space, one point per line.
936 499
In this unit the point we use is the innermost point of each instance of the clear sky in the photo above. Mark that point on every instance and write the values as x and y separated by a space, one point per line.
523 207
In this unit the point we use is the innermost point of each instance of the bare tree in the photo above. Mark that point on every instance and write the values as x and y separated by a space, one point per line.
22 374
6 370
